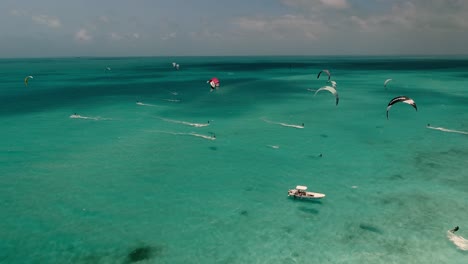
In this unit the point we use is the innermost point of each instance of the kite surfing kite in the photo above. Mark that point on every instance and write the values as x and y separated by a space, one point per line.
386 82
331 90
403 99
26 80
214 83
325 71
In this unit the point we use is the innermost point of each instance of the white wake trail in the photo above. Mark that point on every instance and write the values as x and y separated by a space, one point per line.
185 123
143 104
284 124
187 134
448 130
97 118
459 241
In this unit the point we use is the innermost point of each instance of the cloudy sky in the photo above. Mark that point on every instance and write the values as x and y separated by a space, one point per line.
42 28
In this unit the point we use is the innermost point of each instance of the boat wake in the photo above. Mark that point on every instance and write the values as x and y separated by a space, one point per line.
284 124
273 146
185 123
212 137
172 100
459 241
448 130
97 118
143 104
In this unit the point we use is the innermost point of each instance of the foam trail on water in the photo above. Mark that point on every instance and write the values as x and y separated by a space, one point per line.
184 122
172 100
273 146
448 130
459 241
143 104
187 134
283 124
97 118
202 136
172 92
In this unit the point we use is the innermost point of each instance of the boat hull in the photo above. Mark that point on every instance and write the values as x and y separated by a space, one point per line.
305 195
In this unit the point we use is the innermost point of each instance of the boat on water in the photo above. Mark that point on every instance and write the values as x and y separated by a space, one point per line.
301 193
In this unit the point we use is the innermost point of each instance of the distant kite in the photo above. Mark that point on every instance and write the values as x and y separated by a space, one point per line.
386 82
26 80
331 90
403 99
325 71
214 83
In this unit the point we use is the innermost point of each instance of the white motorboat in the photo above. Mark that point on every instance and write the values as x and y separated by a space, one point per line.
301 193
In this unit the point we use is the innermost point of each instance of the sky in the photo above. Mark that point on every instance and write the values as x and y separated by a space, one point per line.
56 28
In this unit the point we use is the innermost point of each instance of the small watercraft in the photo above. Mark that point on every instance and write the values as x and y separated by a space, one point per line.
301 193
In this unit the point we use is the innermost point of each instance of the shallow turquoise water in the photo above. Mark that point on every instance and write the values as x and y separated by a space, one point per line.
77 190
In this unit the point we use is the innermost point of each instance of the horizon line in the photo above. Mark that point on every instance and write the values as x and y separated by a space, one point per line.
219 56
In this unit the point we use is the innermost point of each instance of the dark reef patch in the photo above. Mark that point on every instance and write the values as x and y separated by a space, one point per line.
213 148
308 210
244 213
143 253
370 228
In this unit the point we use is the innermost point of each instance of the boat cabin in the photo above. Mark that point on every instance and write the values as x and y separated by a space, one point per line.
301 190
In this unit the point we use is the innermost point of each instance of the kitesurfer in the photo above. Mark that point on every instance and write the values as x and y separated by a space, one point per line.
454 229
325 71
331 90
403 99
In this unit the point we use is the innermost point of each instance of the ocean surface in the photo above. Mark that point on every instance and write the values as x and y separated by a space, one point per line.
143 164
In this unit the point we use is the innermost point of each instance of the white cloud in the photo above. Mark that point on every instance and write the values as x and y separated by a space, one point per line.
315 4
283 26
51 22
115 36
83 35
335 3
19 13
417 16
363 24
169 36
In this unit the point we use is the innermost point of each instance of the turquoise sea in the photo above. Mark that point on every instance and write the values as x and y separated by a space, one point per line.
140 176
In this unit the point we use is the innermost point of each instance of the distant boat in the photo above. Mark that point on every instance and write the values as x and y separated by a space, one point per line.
301 193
